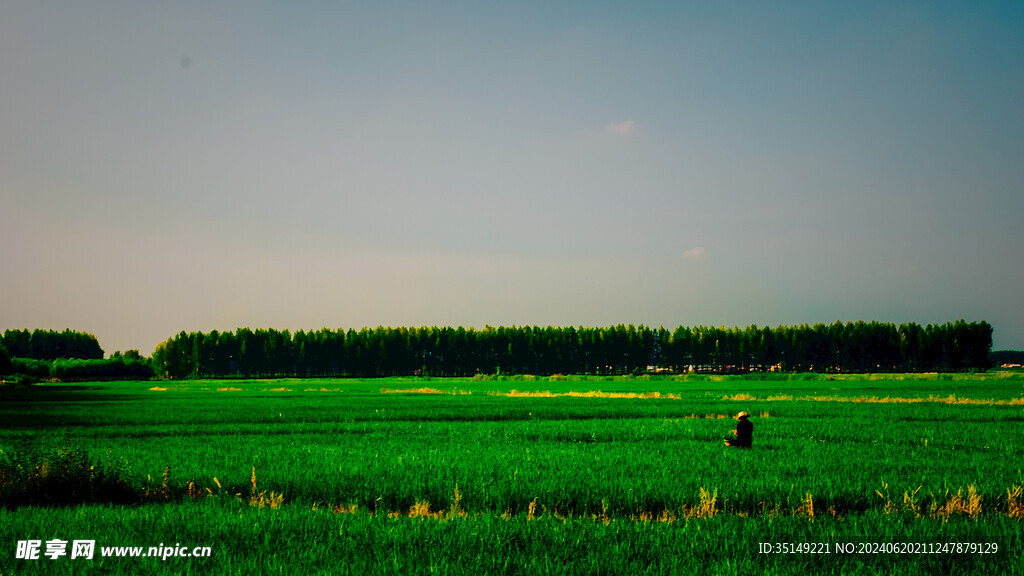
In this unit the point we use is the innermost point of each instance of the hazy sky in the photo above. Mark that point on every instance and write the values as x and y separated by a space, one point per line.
169 166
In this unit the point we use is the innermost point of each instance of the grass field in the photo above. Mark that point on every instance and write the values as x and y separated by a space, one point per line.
561 475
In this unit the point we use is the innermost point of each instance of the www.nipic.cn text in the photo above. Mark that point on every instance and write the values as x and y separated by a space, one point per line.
86 549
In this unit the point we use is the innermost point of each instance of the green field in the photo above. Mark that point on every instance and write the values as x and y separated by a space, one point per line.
572 475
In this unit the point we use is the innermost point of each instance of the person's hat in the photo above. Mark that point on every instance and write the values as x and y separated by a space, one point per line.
741 415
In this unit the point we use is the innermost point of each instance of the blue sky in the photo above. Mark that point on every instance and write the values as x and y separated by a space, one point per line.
212 165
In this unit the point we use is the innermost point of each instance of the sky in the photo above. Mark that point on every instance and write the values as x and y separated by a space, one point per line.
191 166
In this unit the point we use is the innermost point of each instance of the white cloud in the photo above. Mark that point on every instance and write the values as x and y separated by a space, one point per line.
695 253
623 129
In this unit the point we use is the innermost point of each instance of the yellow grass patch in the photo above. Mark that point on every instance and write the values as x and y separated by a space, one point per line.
229 389
952 504
423 391
262 499
158 389
345 509
952 399
1015 502
280 390
665 517
740 398
422 509
588 394
964 502
958 504
706 508
806 507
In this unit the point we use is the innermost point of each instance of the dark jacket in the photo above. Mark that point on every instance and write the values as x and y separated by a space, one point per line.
744 433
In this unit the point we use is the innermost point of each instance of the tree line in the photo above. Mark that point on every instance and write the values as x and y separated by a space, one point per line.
29 370
67 356
1001 357
50 344
614 350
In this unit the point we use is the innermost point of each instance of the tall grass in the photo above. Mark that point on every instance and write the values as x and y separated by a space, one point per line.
637 452
247 540
30 475
624 464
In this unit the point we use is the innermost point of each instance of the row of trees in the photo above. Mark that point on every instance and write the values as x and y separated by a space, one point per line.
376 352
50 344
6 367
46 354
1000 357
70 369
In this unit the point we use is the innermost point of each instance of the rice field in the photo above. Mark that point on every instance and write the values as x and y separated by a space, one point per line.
524 475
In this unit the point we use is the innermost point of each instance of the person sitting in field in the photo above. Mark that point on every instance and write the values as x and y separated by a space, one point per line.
744 432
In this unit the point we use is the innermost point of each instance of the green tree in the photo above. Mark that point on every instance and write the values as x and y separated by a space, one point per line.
5 362
18 343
